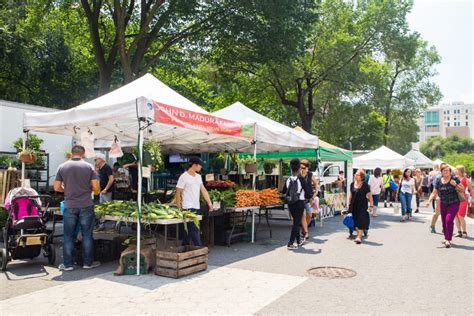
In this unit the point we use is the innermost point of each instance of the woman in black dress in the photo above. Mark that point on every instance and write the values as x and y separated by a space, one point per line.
359 198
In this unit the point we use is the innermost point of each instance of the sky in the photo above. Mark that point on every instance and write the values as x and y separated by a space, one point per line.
449 26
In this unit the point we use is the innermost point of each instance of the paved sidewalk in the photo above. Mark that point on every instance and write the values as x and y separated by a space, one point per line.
401 269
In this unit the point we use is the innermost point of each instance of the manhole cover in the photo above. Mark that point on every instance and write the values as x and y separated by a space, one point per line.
332 272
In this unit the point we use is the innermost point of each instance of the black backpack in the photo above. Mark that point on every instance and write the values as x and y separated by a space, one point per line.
292 195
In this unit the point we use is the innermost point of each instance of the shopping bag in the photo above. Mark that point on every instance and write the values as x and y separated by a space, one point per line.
115 149
393 185
348 221
396 208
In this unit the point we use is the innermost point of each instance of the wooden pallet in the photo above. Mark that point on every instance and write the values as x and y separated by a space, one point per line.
181 261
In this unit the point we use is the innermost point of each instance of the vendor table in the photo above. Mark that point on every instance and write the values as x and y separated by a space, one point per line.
260 211
164 222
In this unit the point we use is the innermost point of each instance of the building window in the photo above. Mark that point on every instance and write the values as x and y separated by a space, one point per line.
467 123
448 124
447 111
467 117
432 118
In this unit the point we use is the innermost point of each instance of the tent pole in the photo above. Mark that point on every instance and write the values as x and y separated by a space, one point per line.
25 136
139 194
254 154
254 184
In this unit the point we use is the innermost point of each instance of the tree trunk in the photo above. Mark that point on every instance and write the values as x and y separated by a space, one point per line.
105 79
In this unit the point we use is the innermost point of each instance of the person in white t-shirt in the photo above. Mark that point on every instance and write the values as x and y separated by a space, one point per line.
376 185
407 190
188 191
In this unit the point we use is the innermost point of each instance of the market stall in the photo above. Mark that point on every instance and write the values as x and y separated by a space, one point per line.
383 158
270 136
145 108
420 160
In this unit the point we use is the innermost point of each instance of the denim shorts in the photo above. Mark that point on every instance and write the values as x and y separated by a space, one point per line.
308 208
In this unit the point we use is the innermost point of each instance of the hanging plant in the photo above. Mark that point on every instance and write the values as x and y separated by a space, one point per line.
28 156
269 166
151 153
34 143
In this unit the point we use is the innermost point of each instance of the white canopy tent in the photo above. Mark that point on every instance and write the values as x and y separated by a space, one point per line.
420 160
270 136
384 158
146 108
182 126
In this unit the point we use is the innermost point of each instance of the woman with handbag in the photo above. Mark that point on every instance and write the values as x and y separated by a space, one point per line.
447 188
460 221
359 197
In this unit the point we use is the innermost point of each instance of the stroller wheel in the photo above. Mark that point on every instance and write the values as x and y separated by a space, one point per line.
3 259
50 253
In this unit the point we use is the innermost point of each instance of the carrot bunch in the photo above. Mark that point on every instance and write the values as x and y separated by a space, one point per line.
246 198
270 197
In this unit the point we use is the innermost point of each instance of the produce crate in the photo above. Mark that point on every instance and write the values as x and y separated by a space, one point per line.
181 261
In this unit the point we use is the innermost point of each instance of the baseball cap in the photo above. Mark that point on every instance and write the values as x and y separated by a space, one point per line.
195 161
99 156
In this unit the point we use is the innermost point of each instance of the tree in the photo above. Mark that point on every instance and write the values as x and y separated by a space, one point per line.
438 147
399 84
334 44
40 62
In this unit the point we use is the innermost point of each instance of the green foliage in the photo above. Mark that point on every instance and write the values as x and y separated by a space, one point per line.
33 142
438 147
153 148
465 159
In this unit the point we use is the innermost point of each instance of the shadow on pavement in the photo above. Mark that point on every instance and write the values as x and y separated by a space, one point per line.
18 270
462 247
371 243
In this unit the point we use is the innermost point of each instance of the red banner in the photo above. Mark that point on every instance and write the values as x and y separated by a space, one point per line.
171 115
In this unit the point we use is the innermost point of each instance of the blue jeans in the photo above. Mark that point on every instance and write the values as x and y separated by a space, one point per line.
405 199
193 233
376 199
86 218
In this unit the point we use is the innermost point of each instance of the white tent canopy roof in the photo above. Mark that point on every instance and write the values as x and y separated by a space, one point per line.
421 161
384 158
116 114
271 136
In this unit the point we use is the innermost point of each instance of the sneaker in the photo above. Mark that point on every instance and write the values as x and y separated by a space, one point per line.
464 235
292 247
417 211
94 264
62 267
301 242
447 244
433 230
351 237
385 205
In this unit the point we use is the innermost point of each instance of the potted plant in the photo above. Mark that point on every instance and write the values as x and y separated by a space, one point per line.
269 166
28 156
250 164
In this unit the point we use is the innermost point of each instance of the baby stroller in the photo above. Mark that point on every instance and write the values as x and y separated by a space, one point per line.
25 233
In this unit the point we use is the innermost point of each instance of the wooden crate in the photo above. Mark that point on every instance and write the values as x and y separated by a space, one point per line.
181 261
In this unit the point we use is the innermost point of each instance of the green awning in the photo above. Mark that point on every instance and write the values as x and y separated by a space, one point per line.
327 152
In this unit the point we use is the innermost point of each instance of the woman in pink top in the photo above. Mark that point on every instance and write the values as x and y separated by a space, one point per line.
376 185
460 221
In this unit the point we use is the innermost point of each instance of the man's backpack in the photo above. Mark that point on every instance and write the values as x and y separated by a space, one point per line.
292 195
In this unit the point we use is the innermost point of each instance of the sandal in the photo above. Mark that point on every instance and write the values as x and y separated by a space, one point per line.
358 241
459 234
464 234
